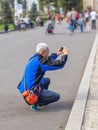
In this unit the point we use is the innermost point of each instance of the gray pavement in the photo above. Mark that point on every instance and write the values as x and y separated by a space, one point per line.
15 48
84 114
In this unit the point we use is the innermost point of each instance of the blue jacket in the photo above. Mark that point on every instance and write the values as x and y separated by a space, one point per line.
36 68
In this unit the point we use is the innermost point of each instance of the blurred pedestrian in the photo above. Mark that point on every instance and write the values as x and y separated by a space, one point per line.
70 27
81 22
86 15
93 16
6 27
50 26
73 17
58 17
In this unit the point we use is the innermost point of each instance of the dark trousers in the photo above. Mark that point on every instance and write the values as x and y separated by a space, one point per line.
93 24
46 83
47 96
81 27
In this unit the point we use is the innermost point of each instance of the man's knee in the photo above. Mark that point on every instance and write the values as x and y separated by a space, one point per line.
56 97
47 80
46 83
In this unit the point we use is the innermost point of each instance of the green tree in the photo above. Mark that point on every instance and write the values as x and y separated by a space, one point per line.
12 3
6 12
80 5
55 3
33 12
45 3
68 4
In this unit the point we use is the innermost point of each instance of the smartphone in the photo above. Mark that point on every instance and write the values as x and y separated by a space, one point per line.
61 49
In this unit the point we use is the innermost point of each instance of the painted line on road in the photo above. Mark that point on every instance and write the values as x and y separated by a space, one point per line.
77 113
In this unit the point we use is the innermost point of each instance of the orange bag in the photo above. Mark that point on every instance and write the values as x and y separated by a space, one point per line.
30 97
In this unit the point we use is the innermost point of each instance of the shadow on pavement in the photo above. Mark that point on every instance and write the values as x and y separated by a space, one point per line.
59 106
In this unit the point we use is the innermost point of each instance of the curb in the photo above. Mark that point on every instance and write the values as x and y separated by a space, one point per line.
77 113
2 32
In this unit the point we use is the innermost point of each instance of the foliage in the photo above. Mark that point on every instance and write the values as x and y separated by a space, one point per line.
65 4
80 6
11 27
68 4
33 13
55 3
45 3
6 13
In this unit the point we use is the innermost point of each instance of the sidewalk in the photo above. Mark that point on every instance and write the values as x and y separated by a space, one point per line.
84 113
91 112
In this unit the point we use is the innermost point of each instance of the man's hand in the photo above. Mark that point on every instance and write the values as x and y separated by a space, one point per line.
62 50
59 51
65 51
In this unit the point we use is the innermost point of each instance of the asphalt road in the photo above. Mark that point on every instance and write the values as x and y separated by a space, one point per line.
15 50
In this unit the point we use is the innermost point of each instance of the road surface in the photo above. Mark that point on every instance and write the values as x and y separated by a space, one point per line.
15 50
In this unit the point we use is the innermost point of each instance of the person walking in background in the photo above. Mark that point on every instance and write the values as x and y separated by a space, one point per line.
93 16
6 27
51 15
77 16
81 22
58 17
73 17
86 15
38 20
70 27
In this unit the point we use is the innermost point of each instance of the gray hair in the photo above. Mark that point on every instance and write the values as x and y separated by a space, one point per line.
41 47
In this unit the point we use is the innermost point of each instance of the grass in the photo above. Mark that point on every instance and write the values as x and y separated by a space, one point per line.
11 27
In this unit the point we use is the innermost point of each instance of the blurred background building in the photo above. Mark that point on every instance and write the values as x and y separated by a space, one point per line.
23 6
93 4
29 4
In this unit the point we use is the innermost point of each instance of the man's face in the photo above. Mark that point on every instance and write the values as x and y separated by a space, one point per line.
46 53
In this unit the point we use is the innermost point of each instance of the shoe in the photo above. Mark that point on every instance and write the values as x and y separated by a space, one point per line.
34 107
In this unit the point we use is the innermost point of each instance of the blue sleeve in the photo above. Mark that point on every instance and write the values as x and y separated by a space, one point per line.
48 64
53 56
